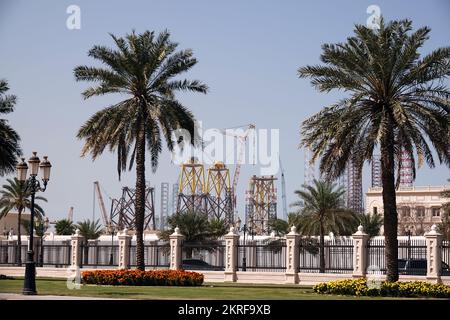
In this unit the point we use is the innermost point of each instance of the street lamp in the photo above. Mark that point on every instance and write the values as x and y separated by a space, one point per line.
111 230
29 285
44 229
244 229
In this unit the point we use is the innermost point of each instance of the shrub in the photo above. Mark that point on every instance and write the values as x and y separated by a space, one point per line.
3 277
143 278
386 289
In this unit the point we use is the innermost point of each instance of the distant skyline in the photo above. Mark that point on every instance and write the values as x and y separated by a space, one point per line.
248 54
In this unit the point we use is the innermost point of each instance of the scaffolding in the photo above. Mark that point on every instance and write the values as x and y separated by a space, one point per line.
406 170
308 167
376 171
261 204
123 215
218 193
164 214
354 188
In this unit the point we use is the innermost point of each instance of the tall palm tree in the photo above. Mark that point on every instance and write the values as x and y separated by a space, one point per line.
9 139
371 223
17 196
397 101
321 213
142 67
64 227
90 230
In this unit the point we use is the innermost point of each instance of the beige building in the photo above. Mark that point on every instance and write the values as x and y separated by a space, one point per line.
418 208
9 223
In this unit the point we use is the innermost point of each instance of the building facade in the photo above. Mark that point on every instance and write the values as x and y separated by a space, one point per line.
418 208
9 223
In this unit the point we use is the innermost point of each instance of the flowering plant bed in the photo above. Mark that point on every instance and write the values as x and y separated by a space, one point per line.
385 289
142 278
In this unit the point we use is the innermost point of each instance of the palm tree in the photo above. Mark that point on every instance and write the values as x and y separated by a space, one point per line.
196 228
64 227
17 196
9 139
142 67
397 101
371 223
90 230
321 212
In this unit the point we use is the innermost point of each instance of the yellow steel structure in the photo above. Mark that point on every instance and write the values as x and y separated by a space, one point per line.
218 193
261 204
218 181
192 178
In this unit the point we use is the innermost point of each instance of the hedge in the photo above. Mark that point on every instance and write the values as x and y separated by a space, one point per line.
142 278
385 289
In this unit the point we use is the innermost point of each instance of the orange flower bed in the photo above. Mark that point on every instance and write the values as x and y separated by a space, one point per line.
143 278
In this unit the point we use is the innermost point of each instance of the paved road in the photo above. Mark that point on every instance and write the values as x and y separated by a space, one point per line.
15 296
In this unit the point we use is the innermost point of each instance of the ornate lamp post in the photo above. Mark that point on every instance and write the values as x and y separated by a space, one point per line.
29 285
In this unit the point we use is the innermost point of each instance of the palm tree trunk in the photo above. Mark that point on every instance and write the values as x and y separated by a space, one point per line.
322 249
19 240
390 208
140 198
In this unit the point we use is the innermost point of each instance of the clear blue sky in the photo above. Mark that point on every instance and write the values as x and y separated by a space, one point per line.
248 54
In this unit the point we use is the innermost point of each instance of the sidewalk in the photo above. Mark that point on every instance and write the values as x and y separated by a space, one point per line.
15 296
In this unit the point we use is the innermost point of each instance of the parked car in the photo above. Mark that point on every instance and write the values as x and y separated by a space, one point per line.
418 267
197 264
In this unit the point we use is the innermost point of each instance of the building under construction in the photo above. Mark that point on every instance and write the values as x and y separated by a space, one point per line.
261 204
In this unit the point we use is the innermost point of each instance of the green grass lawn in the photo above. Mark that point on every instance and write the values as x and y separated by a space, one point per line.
226 291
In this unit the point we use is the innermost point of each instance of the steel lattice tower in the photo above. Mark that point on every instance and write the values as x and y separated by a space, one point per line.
164 214
191 190
122 210
218 193
261 204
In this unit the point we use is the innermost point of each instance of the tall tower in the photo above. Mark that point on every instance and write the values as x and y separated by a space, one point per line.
406 170
218 191
164 214
376 171
173 208
354 188
308 167
261 204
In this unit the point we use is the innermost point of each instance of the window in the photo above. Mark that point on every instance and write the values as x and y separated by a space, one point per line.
420 211
405 211
436 212
375 210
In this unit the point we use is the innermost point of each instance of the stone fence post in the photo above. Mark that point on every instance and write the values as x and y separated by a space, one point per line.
124 249
176 240
76 241
231 242
434 254
360 239
292 256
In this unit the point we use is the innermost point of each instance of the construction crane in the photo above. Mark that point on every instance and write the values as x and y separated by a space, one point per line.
106 220
283 190
70 214
242 138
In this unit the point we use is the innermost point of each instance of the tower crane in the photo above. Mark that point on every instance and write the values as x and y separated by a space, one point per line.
242 138
105 218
